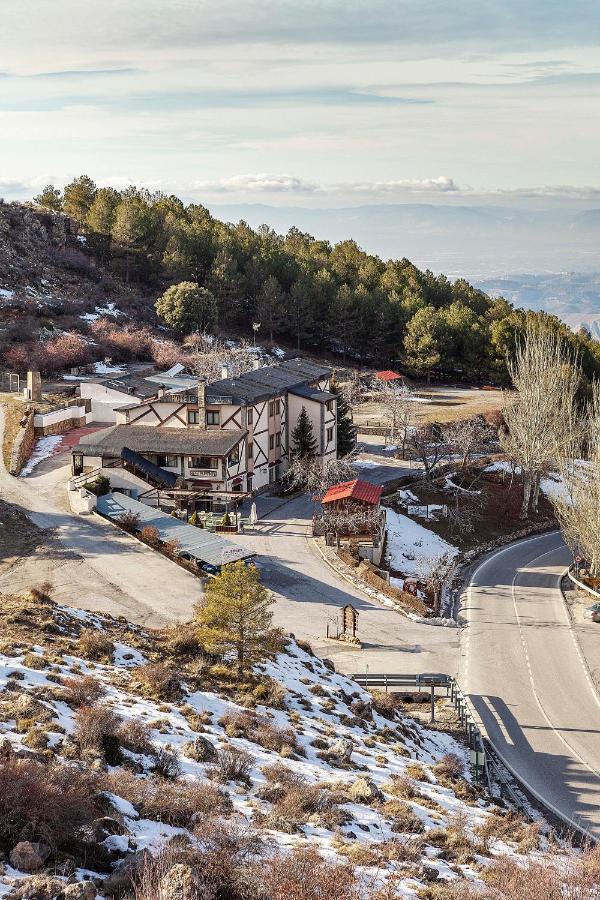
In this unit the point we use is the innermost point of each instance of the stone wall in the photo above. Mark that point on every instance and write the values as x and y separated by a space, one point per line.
58 421
23 445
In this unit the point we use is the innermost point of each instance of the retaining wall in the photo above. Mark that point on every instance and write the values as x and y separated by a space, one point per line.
57 421
22 446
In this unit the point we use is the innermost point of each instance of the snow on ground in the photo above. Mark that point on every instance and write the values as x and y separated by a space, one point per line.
109 310
100 368
411 547
43 449
5 294
322 708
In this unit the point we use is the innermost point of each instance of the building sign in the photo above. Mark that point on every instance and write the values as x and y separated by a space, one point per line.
228 554
350 619
204 473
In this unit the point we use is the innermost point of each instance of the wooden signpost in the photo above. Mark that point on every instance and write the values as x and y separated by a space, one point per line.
350 619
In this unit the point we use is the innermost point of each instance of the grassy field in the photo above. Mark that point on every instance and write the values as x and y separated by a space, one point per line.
441 404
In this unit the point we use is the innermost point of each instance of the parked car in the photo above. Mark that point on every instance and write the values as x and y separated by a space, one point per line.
593 612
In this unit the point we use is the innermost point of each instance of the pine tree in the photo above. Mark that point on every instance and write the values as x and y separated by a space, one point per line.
303 439
187 307
235 615
346 430
78 197
269 306
50 197
130 227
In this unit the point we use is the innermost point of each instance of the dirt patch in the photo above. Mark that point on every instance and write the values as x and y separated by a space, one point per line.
18 536
444 404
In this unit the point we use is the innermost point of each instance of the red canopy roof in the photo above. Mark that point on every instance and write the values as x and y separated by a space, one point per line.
355 490
387 375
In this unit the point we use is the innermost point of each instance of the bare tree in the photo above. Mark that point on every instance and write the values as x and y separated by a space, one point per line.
427 444
440 570
578 506
208 357
467 438
399 406
308 474
540 413
348 520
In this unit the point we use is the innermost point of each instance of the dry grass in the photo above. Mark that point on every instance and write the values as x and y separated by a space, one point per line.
179 803
96 645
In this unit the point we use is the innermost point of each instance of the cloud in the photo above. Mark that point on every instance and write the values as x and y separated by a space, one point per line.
271 183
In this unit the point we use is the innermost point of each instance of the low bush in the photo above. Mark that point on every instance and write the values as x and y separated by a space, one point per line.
84 690
135 736
450 767
403 817
95 644
41 803
385 704
97 728
259 730
150 535
130 522
159 681
180 803
166 764
232 765
305 875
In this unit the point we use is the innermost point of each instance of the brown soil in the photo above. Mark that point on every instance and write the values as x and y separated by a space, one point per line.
18 536
446 405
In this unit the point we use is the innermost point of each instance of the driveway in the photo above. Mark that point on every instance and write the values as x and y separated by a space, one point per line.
526 679
309 594
91 564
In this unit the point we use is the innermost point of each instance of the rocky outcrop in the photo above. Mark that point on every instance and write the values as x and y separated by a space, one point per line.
28 856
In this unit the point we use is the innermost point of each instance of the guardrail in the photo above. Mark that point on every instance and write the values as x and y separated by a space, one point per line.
582 585
484 760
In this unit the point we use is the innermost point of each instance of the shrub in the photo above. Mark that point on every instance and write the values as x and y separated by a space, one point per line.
130 522
99 487
259 730
83 690
94 644
134 735
41 803
177 803
172 547
159 681
450 766
385 704
305 875
232 765
42 593
404 819
150 535
97 728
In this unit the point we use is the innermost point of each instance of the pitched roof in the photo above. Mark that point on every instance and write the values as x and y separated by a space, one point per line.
157 439
259 384
387 375
312 393
354 490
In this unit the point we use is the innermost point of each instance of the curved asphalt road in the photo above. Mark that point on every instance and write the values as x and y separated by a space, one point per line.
526 679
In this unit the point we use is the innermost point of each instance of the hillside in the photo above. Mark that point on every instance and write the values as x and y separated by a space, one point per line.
78 287
131 763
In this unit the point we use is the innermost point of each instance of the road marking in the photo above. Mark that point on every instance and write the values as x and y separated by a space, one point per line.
519 777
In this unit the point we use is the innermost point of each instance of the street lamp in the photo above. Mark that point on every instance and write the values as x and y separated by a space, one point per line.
255 328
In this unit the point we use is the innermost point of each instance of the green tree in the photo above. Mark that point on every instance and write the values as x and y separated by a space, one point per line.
225 284
269 305
102 213
78 197
421 342
50 197
346 430
131 227
186 307
303 439
235 616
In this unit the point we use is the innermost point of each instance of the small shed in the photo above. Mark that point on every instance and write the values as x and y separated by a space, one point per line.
356 493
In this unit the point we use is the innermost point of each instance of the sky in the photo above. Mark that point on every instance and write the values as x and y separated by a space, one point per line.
330 103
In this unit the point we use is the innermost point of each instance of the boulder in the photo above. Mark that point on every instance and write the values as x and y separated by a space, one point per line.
104 827
429 873
200 749
28 856
363 790
121 878
38 887
340 750
328 663
80 890
180 883
362 709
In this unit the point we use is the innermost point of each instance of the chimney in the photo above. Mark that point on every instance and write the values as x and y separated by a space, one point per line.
202 402
224 371
256 363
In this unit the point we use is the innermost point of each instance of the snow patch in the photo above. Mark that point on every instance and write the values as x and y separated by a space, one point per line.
44 449
410 547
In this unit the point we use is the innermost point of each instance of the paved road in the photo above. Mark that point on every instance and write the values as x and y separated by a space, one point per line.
90 563
310 594
523 671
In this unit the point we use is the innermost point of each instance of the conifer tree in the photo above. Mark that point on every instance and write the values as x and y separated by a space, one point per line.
235 615
303 439
50 197
346 430
78 197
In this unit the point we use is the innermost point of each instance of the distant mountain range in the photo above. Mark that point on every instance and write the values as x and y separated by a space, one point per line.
486 244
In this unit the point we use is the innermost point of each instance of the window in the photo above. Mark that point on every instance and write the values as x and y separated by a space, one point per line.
193 417
250 416
277 407
234 457
250 450
213 417
278 440
202 462
249 482
271 441
271 408
330 435
330 405
166 461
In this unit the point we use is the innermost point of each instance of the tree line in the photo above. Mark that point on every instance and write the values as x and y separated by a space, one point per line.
301 289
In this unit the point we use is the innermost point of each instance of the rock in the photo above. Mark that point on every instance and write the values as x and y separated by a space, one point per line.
429 873
121 878
180 883
80 890
341 750
363 790
362 709
328 663
29 857
104 827
200 749
38 887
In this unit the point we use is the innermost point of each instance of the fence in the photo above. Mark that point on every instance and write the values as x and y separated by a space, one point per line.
10 383
582 585
483 756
